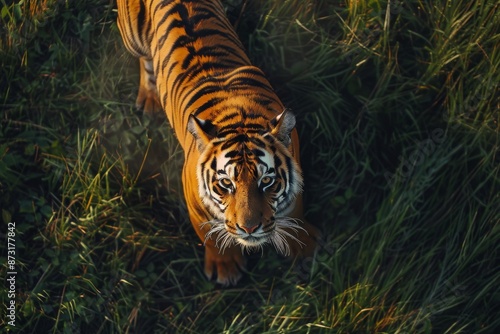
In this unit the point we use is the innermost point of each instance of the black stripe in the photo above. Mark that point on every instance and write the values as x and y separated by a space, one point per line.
230 228
249 71
289 174
182 23
209 104
201 92
216 191
249 82
245 126
201 68
277 161
231 154
233 141
224 132
270 226
283 176
225 54
258 153
159 5
257 141
261 162
271 140
194 71
141 16
262 101
237 172
215 199
240 112
228 116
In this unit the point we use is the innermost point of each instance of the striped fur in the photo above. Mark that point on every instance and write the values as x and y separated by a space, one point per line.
241 176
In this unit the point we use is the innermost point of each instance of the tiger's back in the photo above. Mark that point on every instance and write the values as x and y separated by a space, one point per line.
194 68
197 60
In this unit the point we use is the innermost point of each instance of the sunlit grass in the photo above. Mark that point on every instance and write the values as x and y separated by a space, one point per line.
398 115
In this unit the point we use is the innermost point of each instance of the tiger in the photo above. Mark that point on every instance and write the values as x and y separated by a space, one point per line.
242 179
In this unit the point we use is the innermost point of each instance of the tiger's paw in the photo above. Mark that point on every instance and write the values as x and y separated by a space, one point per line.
227 266
147 101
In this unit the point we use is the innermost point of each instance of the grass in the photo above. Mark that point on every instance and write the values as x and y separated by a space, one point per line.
398 114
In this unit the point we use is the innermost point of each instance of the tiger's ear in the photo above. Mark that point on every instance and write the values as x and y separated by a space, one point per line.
282 126
202 130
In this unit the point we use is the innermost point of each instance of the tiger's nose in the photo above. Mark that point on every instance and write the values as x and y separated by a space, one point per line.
249 229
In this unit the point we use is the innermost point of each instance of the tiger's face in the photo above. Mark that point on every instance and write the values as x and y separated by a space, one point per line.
248 181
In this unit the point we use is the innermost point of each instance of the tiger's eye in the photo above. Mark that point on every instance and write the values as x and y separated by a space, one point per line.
226 183
266 180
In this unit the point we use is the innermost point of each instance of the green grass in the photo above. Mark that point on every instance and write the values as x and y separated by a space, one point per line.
398 109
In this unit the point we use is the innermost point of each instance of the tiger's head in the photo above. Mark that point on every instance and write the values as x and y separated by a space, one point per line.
248 180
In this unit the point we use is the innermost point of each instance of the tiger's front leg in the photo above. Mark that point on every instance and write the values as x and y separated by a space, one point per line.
147 97
226 265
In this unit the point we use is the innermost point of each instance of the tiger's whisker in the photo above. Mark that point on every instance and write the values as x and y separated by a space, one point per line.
216 226
226 242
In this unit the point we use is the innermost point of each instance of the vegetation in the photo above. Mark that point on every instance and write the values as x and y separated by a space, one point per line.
398 110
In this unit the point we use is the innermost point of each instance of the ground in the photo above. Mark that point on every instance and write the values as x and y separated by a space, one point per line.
397 106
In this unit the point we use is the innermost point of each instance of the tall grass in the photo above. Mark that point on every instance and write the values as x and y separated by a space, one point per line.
398 116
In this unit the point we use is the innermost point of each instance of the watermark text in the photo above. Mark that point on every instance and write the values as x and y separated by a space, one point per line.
11 274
